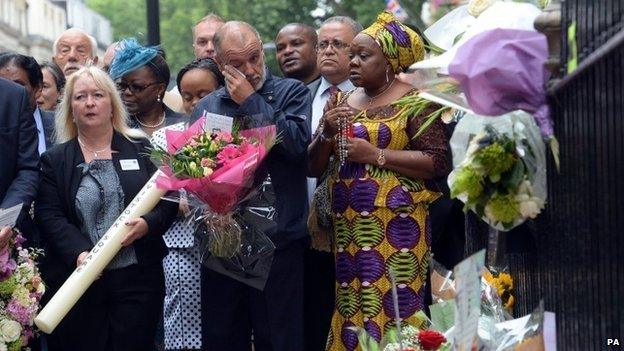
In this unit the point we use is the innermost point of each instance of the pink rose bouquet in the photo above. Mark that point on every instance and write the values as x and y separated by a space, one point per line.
217 169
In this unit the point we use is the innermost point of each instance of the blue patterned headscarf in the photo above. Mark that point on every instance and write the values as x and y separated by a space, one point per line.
130 56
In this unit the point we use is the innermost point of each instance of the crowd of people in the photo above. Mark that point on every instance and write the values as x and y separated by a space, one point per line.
75 133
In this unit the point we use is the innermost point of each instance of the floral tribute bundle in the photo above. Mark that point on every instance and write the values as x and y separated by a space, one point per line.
500 170
21 289
503 283
414 339
217 169
410 339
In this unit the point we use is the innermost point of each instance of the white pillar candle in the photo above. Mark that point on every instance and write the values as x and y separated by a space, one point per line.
99 257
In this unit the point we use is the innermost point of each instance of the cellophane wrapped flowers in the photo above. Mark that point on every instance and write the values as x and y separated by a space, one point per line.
215 168
502 172
21 289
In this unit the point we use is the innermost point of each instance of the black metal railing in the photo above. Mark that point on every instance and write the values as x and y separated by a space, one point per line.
577 264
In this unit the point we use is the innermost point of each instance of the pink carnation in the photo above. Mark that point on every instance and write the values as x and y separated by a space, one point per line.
207 162
228 153
21 314
19 240
27 334
224 136
7 264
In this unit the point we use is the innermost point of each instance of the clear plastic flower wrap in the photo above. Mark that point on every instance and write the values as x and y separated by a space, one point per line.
491 301
442 282
521 334
443 295
219 176
499 168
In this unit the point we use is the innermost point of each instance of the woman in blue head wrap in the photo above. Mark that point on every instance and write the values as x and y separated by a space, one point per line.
142 75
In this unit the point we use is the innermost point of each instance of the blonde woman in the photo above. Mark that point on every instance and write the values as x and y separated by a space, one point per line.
88 178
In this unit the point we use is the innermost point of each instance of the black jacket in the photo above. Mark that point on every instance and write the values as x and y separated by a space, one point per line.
19 158
55 210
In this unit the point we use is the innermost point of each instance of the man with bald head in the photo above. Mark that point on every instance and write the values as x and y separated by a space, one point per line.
109 56
232 309
296 52
73 49
203 35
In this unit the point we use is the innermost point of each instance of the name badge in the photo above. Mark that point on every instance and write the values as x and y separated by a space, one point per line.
129 165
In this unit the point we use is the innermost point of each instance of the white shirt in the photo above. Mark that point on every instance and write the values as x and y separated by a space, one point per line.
318 104
41 147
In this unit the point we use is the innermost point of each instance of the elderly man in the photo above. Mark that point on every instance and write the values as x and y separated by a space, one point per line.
19 178
203 35
73 49
296 52
253 97
334 38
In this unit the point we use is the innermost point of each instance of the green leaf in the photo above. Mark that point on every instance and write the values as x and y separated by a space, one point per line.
430 120
458 37
516 176
573 59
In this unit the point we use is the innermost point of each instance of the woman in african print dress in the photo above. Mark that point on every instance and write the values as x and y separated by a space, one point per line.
380 195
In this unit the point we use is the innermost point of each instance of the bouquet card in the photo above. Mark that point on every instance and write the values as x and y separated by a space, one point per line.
8 216
468 300
217 123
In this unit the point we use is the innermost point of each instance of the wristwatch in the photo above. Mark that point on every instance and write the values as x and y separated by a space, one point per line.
381 159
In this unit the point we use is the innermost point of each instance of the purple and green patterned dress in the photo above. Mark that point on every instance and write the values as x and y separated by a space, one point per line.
381 222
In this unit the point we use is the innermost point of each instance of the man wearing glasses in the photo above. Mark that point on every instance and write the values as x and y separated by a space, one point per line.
334 38
73 49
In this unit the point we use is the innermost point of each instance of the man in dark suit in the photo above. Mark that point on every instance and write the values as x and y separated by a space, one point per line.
332 58
25 71
18 153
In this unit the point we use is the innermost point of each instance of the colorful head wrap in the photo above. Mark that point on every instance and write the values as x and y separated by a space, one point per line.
130 56
401 45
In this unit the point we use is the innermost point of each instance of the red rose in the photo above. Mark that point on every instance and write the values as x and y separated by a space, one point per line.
430 339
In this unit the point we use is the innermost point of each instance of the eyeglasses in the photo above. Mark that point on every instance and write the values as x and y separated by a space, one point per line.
336 44
134 88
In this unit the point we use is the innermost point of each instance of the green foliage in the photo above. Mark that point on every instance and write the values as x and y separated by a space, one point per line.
15 345
177 18
8 285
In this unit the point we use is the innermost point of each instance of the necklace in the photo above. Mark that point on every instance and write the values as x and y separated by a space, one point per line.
372 98
95 152
162 120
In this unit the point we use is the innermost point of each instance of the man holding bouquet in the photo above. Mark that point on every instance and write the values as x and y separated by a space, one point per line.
231 310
